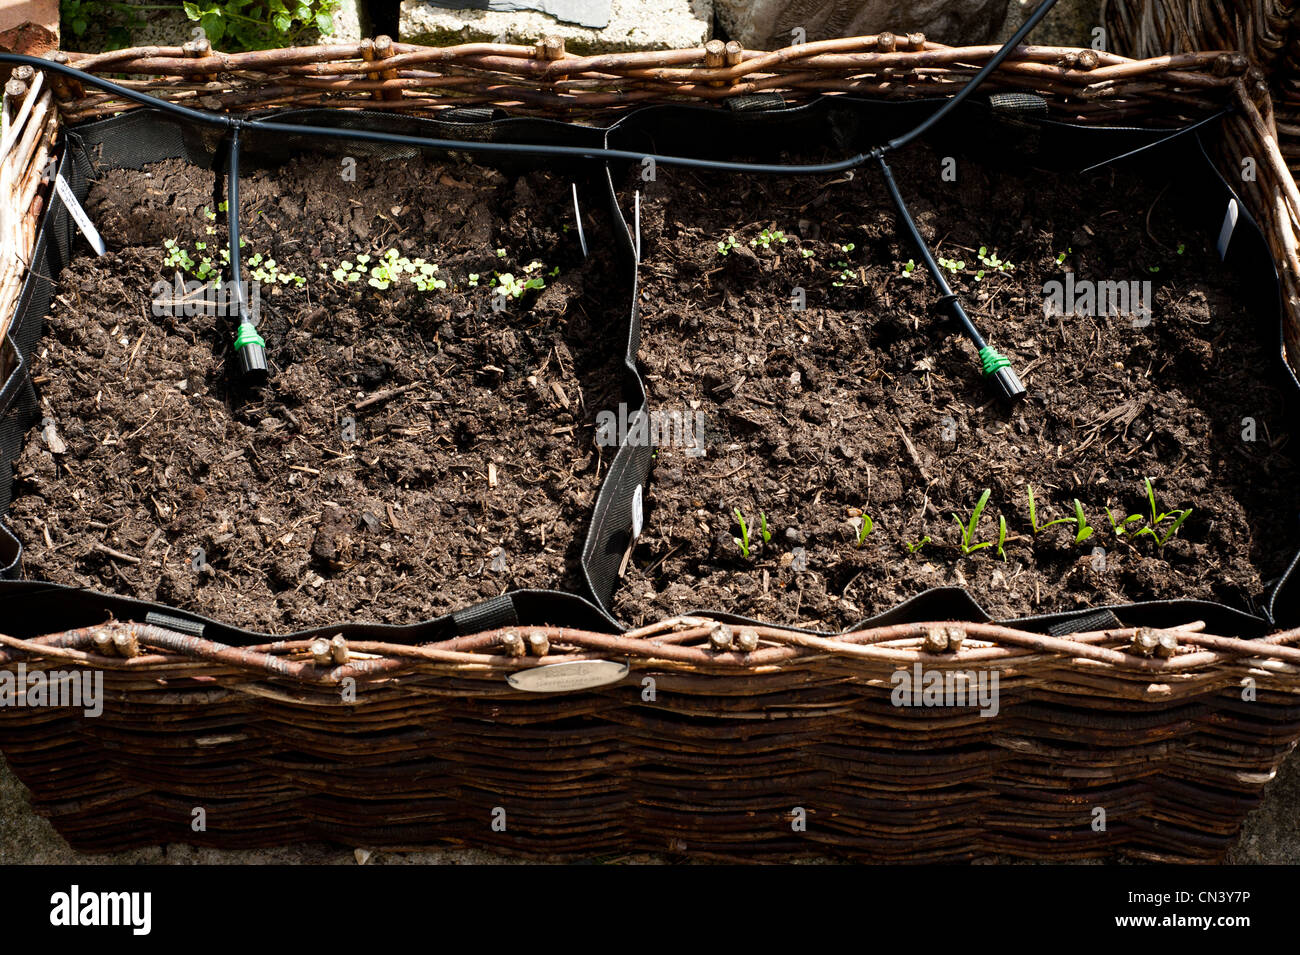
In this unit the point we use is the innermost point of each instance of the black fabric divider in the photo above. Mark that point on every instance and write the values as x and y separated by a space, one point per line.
842 124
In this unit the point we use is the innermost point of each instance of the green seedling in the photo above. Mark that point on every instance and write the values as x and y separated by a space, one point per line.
743 540
909 267
767 237
807 253
1158 517
726 245
990 261
1082 531
865 527
506 284
952 265
1060 259
967 528
764 532
1121 528
914 547
1002 538
1033 514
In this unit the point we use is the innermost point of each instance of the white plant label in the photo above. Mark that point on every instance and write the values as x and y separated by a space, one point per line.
569 676
637 515
79 215
1229 224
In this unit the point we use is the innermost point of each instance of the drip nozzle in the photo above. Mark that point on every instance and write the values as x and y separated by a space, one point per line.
251 349
997 368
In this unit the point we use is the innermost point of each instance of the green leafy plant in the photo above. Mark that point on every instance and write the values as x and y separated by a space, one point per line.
1158 517
917 545
763 529
846 272
865 527
743 540
968 545
767 238
726 245
267 270
235 25
1060 259
1002 538
807 253
952 265
909 267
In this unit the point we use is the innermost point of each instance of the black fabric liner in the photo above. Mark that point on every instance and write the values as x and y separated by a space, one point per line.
842 123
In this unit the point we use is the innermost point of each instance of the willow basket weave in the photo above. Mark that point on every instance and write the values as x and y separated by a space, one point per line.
722 740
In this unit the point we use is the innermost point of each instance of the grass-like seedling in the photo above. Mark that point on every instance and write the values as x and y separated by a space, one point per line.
917 545
1033 514
763 530
1158 517
1002 538
968 528
866 526
1081 529
743 540
767 237
1119 529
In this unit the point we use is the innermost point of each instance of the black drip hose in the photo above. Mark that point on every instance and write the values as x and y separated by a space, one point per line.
249 345
995 365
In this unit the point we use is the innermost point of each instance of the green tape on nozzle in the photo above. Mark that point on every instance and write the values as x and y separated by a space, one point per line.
997 367
992 359
251 349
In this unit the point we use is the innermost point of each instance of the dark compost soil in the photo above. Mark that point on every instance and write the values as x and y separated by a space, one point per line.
467 467
868 399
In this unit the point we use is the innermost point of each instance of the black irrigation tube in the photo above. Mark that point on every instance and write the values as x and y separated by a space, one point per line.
249 347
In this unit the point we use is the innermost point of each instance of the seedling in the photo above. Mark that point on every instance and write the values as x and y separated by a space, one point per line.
1002 537
866 526
1121 528
807 253
1158 517
726 245
767 237
846 274
914 547
743 540
1060 259
763 529
1033 514
967 528
507 284
990 261
952 265
1082 531
910 267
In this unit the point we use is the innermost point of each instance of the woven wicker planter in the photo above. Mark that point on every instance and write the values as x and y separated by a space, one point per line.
722 739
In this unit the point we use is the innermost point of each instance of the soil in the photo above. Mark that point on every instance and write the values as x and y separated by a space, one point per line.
867 399
413 452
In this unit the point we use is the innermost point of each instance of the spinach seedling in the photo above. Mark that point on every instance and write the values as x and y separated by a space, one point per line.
743 540
864 528
763 529
1121 528
1002 538
913 548
968 528
1082 531
1158 517
1033 514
